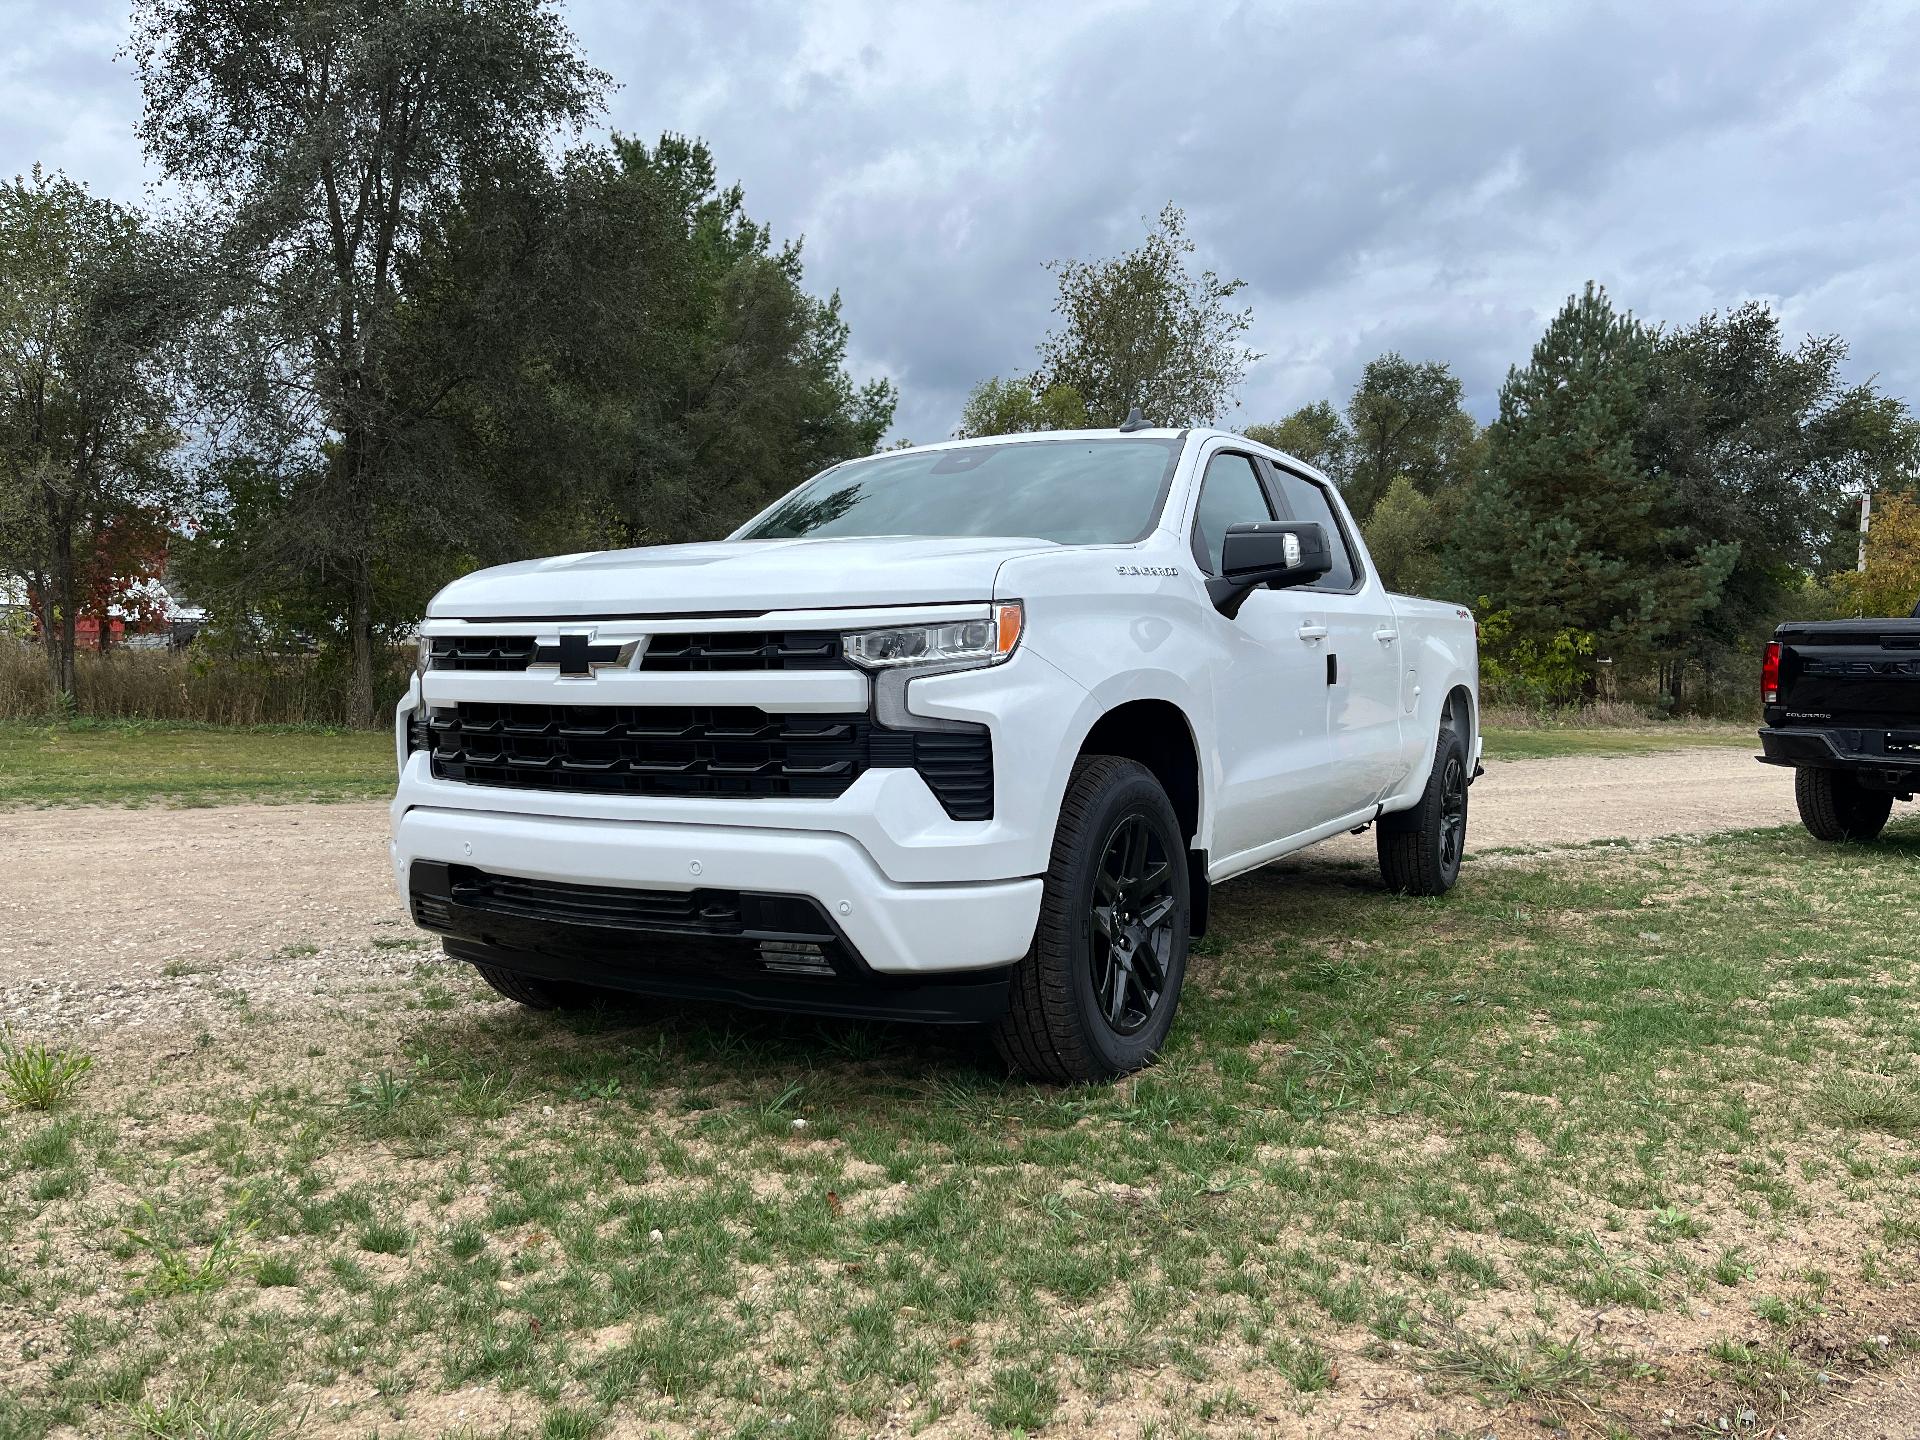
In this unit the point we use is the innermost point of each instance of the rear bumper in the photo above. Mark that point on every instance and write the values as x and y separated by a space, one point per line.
1864 753
885 928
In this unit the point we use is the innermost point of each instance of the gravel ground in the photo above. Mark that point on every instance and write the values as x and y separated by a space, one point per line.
109 916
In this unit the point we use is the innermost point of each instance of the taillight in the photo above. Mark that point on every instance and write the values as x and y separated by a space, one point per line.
1770 674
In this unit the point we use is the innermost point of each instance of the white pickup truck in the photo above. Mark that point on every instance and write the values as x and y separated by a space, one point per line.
964 732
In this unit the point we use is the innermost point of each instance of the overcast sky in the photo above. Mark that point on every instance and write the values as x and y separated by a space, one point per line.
1428 178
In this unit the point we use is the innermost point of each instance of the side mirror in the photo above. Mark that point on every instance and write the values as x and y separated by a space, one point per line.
1275 553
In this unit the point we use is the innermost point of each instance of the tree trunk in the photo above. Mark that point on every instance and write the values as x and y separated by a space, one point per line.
360 627
59 609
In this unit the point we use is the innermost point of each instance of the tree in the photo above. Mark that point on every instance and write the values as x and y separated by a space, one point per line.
1014 407
319 136
1405 418
1406 534
1565 532
607 351
91 296
1142 329
1890 584
1764 447
719 381
1314 433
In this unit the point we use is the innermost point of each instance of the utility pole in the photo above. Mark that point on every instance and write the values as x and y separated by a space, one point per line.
1866 514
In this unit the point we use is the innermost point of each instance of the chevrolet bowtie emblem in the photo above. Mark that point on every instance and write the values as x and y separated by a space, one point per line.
576 656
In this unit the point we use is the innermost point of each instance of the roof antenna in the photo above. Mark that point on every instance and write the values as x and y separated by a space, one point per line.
1134 421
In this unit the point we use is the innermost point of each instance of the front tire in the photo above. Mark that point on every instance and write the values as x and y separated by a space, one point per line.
1835 808
1096 993
1421 849
537 994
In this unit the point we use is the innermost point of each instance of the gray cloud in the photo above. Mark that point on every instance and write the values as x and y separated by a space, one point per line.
1434 180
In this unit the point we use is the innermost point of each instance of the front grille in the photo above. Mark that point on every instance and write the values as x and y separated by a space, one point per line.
695 651
480 652
701 750
744 650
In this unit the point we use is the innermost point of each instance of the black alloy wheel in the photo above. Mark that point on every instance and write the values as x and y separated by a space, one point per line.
1453 813
1098 989
1131 925
1421 847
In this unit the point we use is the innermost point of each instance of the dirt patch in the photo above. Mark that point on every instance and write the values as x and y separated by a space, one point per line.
1577 799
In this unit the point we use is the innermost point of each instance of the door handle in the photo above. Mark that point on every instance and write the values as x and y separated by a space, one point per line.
1311 633
1386 637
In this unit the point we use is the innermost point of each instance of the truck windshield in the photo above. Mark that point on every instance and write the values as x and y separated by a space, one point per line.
1073 492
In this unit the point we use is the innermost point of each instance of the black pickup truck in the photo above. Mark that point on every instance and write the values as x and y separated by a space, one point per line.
1841 700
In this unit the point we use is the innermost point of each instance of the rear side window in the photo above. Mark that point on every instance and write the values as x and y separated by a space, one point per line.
1308 501
1231 494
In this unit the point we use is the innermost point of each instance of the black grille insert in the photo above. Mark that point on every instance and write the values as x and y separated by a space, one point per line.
612 907
480 652
745 650
706 650
701 750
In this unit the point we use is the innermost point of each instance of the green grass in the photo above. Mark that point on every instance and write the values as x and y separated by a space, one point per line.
1446 1138
38 1076
1535 742
135 763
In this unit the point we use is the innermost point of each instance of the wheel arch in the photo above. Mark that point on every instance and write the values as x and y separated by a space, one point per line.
1159 735
1456 713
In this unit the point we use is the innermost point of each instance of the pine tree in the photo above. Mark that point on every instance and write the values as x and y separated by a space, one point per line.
1565 531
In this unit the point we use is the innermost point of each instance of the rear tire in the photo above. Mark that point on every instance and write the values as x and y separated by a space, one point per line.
1096 993
537 994
1421 849
1835 808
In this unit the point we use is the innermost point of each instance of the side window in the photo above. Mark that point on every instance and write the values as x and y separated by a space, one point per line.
1231 494
1308 501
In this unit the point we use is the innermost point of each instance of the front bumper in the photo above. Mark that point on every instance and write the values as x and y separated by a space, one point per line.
888 929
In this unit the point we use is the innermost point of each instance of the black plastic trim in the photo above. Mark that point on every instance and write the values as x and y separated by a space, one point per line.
700 945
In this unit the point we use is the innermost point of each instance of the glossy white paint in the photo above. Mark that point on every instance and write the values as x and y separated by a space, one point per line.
1285 758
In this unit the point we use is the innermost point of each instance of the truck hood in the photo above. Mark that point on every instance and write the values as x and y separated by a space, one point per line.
736 576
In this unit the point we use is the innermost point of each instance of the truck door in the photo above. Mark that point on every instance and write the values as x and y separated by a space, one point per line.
1364 656
1269 684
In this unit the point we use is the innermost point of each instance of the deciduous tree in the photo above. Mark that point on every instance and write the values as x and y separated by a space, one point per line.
91 298
1013 407
319 136
1144 329
1314 433
1406 419
1890 583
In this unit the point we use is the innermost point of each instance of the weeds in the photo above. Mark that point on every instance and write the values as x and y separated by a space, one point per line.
175 1270
38 1076
197 1418
1528 1367
1873 1103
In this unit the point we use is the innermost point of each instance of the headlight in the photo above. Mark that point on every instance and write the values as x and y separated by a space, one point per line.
952 645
